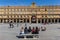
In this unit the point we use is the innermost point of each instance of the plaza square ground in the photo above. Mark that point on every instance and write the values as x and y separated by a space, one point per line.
52 31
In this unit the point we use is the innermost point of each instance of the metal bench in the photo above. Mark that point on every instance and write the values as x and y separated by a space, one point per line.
28 36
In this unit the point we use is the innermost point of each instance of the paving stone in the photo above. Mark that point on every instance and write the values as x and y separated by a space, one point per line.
52 31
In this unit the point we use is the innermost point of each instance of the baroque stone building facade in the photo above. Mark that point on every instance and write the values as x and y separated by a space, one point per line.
30 14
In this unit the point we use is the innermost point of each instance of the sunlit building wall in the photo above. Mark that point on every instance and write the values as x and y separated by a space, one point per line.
30 14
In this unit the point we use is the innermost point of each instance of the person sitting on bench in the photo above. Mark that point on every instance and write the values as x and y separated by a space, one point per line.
22 30
33 30
29 30
37 30
26 30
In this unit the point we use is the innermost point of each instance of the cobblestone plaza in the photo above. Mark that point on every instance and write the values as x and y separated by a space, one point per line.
52 31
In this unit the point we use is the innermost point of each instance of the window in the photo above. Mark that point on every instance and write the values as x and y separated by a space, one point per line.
42 9
54 15
26 9
9 16
29 9
12 16
26 16
6 12
9 12
12 9
5 16
13 13
9 9
2 9
19 9
2 12
6 9
22 9
16 10
16 16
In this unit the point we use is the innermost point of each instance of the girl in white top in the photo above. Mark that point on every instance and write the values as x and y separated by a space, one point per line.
22 30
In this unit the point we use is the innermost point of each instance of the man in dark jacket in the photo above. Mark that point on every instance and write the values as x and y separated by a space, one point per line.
25 30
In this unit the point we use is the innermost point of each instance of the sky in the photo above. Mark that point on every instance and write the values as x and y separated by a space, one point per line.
28 2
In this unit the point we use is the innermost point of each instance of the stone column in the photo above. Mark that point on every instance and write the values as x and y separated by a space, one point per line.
13 20
44 21
51 20
40 20
47 20
37 20
57 20
19 20
23 20
54 20
30 20
6 20
3 21
16 20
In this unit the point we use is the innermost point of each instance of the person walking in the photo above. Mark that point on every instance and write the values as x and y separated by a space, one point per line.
11 24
